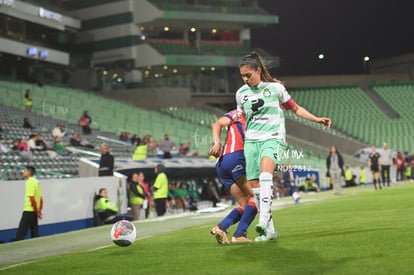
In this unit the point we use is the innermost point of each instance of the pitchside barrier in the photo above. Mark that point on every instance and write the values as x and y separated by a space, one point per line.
68 203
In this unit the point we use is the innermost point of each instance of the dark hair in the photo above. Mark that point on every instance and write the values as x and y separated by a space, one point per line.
31 169
100 190
26 95
254 61
160 169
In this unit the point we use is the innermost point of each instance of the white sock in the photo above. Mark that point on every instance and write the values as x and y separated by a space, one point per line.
266 196
256 194
270 227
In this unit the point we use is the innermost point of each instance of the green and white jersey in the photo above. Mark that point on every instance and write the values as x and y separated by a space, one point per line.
264 107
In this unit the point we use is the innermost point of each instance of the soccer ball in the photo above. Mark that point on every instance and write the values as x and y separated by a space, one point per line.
296 197
123 233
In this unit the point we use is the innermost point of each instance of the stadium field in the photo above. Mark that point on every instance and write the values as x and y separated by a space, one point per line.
360 232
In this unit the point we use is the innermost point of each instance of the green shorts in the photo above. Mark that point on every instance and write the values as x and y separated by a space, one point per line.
255 151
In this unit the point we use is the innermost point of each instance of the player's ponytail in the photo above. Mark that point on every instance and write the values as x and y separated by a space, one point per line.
254 61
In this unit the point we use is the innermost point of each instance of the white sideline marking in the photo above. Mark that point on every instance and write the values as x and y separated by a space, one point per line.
15 265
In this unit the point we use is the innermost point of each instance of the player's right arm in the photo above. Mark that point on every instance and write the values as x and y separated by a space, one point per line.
239 103
216 130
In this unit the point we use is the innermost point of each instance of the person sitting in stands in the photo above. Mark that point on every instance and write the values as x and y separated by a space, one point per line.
106 210
21 146
27 124
124 136
79 141
185 150
59 147
152 144
58 131
134 139
36 143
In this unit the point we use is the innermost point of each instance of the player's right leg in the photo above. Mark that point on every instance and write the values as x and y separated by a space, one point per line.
224 168
249 212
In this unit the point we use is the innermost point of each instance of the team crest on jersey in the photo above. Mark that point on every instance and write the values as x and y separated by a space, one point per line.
266 92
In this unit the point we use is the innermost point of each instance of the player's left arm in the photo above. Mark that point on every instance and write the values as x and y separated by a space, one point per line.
289 104
302 112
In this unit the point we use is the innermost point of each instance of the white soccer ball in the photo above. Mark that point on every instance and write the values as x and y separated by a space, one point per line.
296 197
123 233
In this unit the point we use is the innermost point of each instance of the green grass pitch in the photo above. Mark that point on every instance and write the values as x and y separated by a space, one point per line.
360 232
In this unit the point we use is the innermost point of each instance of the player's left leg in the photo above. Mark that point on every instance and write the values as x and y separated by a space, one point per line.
271 152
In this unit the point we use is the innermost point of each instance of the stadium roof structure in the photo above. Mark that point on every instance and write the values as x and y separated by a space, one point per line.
142 34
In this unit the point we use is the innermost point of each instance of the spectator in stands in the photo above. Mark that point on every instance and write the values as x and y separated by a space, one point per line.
124 136
160 189
27 124
106 163
374 165
106 210
58 131
400 163
85 122
3 148
79 141
37 143
150 142
140 152
289 181
185 150
136 194
21 146
134 139
335 169
386 161
27 100
362 176
33 205
59 147
166 146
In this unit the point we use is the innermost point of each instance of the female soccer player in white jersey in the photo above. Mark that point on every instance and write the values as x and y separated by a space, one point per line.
263 99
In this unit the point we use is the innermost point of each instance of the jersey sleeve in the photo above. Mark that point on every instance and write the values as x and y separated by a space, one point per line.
285 99
232 115
240 109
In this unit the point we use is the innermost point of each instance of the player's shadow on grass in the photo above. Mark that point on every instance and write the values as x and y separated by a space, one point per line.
278 260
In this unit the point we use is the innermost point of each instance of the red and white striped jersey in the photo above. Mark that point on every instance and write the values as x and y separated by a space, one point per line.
235 133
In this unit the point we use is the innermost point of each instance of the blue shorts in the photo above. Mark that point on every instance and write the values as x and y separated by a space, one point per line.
230 167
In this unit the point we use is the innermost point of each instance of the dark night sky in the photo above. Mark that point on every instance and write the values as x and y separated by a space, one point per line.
344 31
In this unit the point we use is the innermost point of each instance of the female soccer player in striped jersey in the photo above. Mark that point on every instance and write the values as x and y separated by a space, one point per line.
231 169
263 99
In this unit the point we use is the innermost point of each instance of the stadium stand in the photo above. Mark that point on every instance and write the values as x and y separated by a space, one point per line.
356 116
108 116
400 96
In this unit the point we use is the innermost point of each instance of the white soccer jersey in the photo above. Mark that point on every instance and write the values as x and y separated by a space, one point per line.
263 107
